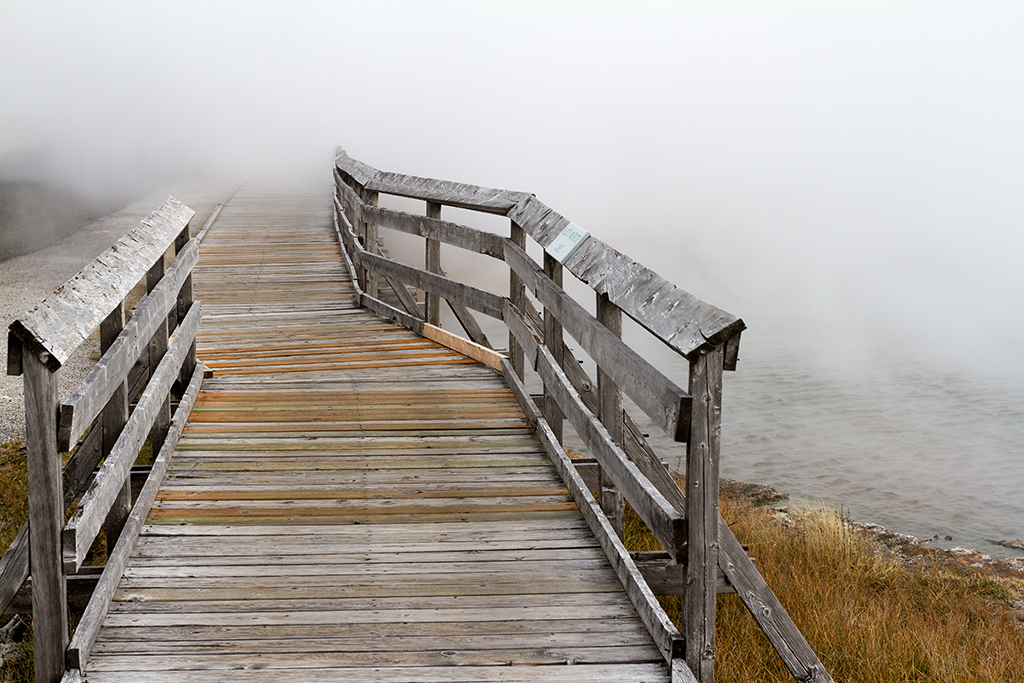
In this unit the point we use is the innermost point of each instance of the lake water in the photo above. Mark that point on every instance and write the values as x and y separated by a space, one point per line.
892 440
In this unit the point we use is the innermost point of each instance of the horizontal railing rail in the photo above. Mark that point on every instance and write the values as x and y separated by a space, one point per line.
155 354
701 553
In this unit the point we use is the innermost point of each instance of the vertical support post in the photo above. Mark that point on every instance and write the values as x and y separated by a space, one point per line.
553 340
157 349
113 420
702 454
372 284
517 294
185 298
433 264
610 414
46 518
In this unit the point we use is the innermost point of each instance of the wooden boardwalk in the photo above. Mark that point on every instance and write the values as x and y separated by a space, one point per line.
352 502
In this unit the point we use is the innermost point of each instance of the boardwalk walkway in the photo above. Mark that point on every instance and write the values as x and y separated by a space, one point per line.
351 502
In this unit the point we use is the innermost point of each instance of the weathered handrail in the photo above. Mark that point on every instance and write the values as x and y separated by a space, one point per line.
688 526
141 353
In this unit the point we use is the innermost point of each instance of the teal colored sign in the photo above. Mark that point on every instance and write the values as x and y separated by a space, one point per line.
568 241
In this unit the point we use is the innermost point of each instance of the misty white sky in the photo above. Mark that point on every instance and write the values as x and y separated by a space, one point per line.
853 169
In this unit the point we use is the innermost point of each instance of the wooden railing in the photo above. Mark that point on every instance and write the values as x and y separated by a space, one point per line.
151 357
702 556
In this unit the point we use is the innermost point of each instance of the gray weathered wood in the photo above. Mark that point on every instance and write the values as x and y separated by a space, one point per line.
610 414
371 284
666 523
60 323
88 399
658 396
432 263
555 345
85 524
46 517
702 453
14 568
112 421
157 348
453 290
665 576
88 627
680 319
767 611
517 295
661 628
431 227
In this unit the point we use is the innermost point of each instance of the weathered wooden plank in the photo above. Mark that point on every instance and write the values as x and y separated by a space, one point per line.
112 420
658 396
89 398
14 568
46 517
666 636
60 323
558 673
85 524
435 229
767 611
88 627
678 318
664 521
488 357
702 453
472 297
446 192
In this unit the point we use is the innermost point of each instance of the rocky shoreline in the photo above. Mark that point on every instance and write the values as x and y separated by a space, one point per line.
908 549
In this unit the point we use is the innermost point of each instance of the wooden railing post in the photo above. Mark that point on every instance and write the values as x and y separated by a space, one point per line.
610 414
185 298
433 264
46 517
553 341
115 415
371 284
157 349
702 454
517 294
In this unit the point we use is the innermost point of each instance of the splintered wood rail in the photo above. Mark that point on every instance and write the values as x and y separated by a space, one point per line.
344 490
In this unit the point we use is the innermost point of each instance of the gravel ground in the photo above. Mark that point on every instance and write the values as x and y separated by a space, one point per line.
26 280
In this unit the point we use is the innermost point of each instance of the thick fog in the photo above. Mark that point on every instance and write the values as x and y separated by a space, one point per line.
846 177
850 173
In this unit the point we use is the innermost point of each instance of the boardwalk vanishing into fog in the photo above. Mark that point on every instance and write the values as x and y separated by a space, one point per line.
351 501
337 489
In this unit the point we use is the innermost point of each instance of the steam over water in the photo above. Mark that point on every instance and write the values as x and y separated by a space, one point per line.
846 177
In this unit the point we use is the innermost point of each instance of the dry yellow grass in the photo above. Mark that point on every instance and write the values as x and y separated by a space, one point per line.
870 618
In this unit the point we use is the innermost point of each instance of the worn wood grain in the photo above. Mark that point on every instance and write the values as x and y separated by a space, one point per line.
46 517
83 526
89 625
107 376
60 323
665 402
702 454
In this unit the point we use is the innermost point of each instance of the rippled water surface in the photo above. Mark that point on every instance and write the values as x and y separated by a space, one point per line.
892 441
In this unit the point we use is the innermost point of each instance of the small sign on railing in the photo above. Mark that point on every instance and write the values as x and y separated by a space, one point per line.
567 242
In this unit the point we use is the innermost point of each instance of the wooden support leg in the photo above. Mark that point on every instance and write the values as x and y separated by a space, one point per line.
702 453
553 341
114 417
157 349
517 294
610 414
46 519
433 264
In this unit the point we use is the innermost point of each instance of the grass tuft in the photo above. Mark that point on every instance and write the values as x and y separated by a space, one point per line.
869 617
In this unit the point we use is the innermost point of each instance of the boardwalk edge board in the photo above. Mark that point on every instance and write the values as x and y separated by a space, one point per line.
96 611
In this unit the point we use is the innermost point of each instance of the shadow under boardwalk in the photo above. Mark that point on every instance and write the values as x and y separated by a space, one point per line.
352 502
